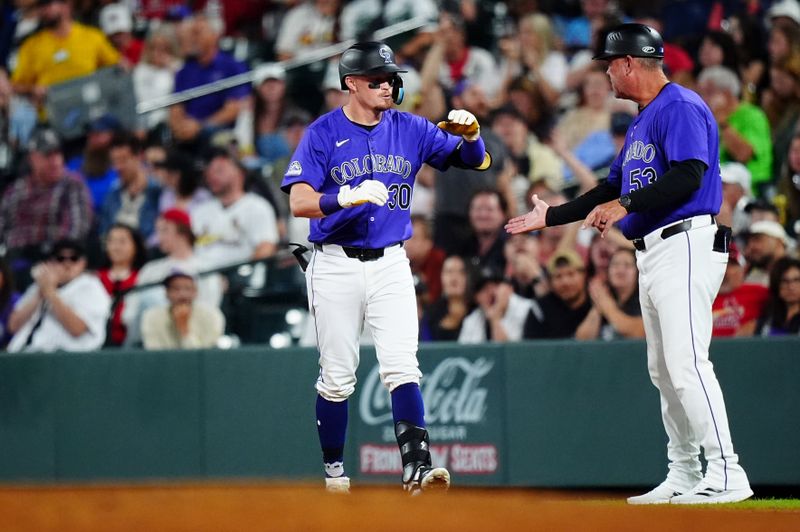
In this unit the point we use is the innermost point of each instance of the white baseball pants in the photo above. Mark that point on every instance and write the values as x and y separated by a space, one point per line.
678 280
343 292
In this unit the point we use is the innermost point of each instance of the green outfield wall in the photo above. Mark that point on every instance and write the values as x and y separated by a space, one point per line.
554 414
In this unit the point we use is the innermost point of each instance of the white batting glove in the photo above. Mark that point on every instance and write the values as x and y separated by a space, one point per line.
462 122
371 190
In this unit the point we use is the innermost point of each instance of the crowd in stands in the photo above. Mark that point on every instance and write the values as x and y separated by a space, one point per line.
108 237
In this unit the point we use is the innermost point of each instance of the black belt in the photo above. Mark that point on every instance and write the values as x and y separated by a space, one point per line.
362 254
672 230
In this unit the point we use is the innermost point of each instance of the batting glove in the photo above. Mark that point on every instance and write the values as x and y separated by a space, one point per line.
462 122
369 191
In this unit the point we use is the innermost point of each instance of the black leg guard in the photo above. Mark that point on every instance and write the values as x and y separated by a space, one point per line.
414 450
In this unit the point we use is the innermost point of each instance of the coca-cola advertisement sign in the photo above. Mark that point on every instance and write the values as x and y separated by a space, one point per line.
452 394
462 398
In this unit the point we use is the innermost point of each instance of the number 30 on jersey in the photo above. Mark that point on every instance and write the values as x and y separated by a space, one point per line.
399 196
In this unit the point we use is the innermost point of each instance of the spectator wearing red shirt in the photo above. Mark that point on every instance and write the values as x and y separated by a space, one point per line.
738 305
125 255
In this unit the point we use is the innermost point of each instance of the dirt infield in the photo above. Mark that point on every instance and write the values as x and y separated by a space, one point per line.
246 507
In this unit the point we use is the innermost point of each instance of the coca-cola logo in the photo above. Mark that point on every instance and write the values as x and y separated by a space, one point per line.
452 393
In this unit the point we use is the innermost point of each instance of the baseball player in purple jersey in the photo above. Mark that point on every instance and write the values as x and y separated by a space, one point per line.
663 191
353 175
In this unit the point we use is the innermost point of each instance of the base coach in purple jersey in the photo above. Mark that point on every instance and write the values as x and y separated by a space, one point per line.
353 175
663 191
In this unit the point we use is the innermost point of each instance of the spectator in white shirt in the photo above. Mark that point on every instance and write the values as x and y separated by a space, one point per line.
307 26
66 308
464 62
236 226
154 75
499 314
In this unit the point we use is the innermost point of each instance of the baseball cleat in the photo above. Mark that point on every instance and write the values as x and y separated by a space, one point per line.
709 495
428 478
437 478
337 485
661 494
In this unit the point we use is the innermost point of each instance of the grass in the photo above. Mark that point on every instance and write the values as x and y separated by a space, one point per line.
765 504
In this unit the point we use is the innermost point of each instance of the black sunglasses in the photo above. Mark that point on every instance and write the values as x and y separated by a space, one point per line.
65 258
376 84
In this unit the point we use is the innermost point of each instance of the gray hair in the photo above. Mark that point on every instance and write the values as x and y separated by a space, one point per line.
651 63
722 78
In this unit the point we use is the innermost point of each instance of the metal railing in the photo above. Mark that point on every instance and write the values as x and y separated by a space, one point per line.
248 77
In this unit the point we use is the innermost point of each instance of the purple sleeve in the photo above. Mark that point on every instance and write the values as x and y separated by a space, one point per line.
437 145
181 82
685 132
239 91
308 164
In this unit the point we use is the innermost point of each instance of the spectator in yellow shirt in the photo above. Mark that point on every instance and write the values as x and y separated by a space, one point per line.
62 50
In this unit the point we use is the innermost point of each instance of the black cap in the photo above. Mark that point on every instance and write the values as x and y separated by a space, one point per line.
366 59
487 275
68 244
507 110
44 140
636 40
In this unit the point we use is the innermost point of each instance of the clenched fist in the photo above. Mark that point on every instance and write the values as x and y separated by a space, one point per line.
369 191
462 122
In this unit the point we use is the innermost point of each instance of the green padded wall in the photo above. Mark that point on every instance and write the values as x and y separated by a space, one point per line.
559 414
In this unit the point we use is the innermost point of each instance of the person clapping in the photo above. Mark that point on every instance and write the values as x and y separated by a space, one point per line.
615 309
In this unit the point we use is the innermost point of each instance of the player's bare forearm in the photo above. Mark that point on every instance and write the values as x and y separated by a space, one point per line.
304 201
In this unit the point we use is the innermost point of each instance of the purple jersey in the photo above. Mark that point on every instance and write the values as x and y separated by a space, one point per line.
336 152
676 126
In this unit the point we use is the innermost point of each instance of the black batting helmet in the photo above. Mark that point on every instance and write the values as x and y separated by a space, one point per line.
636 40
366 59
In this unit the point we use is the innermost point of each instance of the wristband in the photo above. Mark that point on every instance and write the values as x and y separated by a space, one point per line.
472 152
329 204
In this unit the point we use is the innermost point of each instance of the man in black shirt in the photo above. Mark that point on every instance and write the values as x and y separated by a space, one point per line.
568 303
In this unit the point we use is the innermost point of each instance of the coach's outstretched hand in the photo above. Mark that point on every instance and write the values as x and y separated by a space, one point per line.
529 222
371 190
462 122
